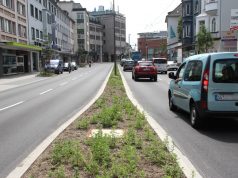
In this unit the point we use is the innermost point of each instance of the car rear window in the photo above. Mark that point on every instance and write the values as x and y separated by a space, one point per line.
130 62
145 64
225 71
160 61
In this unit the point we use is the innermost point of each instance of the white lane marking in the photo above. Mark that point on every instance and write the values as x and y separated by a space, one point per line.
62 84
12 105
74 79
44 92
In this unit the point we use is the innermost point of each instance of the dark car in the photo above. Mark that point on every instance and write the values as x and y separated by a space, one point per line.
144 69
128 65
122 62
55 66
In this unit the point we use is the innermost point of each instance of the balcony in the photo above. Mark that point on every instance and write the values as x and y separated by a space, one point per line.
211 7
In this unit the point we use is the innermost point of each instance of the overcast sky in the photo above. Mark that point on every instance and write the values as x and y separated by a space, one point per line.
141 15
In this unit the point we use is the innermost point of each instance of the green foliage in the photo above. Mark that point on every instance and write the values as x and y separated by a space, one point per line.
67 152
45 74
149 134
100 103
100 148
83 123
94 119
140 121
57 173
204 40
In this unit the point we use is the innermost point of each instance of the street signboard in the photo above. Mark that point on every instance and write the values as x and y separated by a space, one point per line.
229 39
234 20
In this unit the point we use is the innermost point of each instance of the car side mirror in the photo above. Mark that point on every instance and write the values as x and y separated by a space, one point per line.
172 76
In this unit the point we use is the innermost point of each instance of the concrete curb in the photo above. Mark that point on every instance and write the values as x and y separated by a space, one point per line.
188 169
29 160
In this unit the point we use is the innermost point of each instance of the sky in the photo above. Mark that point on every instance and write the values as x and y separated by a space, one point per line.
141 15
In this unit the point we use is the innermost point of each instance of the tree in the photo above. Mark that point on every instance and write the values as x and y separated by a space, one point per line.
204 40
47 51
180 28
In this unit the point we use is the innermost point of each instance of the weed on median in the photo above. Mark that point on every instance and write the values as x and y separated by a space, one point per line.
138 153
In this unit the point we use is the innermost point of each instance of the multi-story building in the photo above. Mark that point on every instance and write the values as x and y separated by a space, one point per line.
216 16
15 52
152 44
190 9
114 35
174 43
88 30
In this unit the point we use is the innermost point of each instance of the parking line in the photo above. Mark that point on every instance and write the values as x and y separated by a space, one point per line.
44 92
11 105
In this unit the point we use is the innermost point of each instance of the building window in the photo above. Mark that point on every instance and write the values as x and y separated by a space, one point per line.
40 1
8 3
45 3
213 25
32 33
8 26
41 35
22 31
21 9
196 8
48 18
187 9
80 31
32 10
40 15
36 13
186 31
37 34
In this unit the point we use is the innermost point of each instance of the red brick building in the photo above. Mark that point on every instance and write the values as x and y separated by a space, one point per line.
152 44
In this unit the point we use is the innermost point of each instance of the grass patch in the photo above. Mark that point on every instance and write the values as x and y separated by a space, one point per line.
139 153
45 74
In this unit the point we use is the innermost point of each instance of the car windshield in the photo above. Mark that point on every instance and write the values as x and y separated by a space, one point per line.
53 62
145 64
130 62
160 61
225 71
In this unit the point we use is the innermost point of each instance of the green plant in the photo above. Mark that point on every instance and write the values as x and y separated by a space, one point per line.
67 152
100 148
100 102
130 137
149 134
140 121
45 74
83 123
58 172
94 119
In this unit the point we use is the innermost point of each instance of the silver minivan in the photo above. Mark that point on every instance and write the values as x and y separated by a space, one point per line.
206 85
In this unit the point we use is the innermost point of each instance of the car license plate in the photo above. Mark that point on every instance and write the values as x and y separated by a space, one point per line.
146 69
226 97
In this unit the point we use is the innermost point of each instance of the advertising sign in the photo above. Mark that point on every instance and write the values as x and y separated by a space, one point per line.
229 39
234 20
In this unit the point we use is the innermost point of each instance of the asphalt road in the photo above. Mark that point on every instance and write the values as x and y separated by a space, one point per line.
30 113
213 150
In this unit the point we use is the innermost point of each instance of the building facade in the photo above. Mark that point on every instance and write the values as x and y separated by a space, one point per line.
88 30
174 43
15 51
114 34
152 44
190 9
215 16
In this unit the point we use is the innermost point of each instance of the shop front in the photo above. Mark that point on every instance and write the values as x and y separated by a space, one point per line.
17 58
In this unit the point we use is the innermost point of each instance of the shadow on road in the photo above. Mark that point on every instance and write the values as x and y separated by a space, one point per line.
222 129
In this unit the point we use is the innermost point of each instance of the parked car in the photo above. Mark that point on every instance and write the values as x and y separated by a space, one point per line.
74 65
128 65
172 68
55 66
160 64
67 66
122 61
206 85
144 69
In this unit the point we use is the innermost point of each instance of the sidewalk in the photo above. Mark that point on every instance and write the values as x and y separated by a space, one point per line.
8 82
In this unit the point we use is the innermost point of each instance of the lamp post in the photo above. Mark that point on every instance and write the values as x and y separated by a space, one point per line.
129 38
114 37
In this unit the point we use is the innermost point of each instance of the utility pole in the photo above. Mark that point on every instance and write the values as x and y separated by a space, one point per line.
114 37
129 40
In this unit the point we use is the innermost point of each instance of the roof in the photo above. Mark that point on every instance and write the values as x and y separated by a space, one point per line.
177 12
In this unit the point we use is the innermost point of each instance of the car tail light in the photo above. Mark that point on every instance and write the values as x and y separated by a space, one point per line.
236 55
205 84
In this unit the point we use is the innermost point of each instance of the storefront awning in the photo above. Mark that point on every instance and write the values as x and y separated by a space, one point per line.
23 46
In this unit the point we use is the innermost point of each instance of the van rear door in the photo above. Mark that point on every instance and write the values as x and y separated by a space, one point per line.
223 83
160 64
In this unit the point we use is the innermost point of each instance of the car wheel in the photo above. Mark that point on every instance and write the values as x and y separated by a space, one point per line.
136 78
155 78
165 72
172 107
195 120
